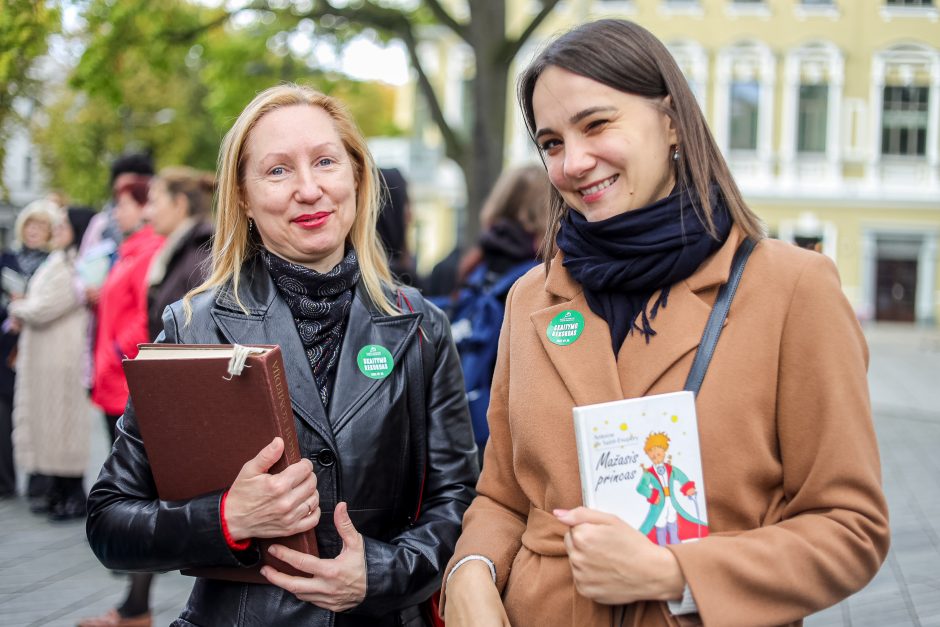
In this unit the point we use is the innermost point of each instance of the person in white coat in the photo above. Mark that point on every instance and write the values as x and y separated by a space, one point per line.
51 412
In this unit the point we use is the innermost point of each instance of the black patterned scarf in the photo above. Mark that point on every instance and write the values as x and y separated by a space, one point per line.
320 304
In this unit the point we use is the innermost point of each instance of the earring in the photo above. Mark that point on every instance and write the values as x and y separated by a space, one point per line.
675 154
251 225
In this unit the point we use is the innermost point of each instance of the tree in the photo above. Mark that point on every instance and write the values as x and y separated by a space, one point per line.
479 155
170 81
24 28
122 33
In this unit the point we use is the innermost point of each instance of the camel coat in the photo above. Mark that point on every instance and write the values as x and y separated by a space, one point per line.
51 412
798 520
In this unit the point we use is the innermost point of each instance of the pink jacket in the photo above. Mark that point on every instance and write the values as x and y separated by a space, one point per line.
122 318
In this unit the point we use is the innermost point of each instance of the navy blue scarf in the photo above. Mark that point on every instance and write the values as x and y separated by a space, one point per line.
620 262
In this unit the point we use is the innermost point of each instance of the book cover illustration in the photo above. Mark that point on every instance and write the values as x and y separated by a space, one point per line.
640 460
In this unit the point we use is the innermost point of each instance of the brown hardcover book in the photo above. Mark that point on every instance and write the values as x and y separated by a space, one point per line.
200 424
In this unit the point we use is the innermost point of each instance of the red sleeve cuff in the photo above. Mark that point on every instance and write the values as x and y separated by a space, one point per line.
229 540
654 496
690 485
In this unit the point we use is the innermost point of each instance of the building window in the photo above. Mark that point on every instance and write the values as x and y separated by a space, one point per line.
812 115
745 106
745 78
904 121
825 3
693 61
28 171
909 3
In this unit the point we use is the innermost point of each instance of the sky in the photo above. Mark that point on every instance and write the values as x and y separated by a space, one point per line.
362 58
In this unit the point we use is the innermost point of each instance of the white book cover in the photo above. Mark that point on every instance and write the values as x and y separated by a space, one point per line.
640 460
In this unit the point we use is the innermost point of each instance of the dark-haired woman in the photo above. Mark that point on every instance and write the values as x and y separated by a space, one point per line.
179 209
645 221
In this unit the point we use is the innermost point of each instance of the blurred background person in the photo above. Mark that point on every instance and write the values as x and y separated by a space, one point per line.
51 413
33 239
122 325
99 248
513 221
393 224
103 234
179 209
122 303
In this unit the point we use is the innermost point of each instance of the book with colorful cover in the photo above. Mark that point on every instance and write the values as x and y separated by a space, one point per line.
640 459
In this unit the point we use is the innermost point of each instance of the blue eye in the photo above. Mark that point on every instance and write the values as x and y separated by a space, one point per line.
278 170
325 161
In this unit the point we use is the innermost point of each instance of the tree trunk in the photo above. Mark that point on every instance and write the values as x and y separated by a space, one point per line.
484 163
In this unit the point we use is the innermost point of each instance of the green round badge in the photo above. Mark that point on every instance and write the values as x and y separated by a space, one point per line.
565 328
375 361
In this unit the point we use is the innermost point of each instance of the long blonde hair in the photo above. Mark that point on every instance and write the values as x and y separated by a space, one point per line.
233 243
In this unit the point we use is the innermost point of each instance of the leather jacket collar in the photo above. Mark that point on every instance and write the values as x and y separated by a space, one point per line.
269 321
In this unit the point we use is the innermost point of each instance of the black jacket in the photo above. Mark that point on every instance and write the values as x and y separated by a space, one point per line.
362 452
185 269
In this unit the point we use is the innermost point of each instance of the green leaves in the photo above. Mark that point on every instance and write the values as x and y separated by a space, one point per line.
172 80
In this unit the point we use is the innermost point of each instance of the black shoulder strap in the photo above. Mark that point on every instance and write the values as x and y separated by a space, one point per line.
716 320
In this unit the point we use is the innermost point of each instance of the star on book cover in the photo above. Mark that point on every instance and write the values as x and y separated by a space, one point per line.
640 459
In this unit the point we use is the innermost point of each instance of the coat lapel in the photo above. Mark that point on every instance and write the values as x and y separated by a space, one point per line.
586 366
679 325
352 388
270 321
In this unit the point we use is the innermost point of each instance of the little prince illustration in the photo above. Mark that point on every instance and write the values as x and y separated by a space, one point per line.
669 520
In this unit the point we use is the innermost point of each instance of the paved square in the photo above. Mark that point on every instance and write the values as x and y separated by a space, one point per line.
48 575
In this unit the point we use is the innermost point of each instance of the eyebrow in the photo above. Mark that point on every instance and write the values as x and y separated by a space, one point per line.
577 117
278 155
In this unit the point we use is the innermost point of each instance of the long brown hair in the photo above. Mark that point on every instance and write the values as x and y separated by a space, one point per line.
627 57
233 242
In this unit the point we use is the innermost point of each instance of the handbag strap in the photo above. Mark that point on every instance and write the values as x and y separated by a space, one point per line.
716 320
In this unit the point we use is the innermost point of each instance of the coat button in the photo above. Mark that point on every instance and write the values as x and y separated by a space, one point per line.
325 457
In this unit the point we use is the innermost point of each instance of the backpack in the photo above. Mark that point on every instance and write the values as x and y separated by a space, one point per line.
476 317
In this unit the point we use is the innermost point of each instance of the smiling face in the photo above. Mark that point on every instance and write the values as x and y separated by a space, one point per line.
606 151
299 186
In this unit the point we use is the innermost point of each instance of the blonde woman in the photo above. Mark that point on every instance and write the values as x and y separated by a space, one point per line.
51 413
33 241
295 262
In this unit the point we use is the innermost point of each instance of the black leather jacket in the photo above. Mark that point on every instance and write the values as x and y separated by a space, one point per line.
367 450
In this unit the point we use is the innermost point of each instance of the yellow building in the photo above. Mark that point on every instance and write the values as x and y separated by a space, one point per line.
829 114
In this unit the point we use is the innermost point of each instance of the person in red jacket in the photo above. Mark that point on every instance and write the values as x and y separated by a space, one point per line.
122 325
122 304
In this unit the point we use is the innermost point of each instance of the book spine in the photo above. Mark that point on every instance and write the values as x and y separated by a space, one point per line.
584 461
283 414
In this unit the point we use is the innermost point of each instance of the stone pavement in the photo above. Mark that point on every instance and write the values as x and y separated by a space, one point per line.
48 576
